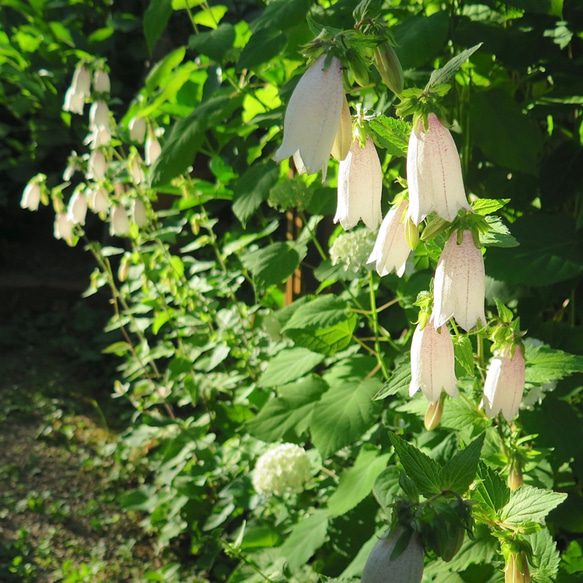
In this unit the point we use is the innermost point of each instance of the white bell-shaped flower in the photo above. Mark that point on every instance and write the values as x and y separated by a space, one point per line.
460 283
119 224
96 166
152 150
434 172
360 187
504 383
81 82
97 200
432 362
391 249
31 196
101 82
63 227
74 102
137 129
312 117
138 213
99 115
77 207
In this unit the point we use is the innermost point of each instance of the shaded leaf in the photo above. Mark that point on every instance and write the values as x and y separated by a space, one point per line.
306 537
273 264
155 20
253 188
460 471
290 364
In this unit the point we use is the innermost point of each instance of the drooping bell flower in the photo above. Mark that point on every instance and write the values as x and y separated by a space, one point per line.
119 224
77 207
460 283
152 150
504 383
434 173
31 196
101 82
99 115
96 166
137 129
391 249
97 200
135 168
63 227
138 213
360 186
312 117
81 82
432 362
74 102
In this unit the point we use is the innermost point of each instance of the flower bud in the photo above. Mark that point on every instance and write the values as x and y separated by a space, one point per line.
380 567
389 67
433 414
152 150
516 569
343 139
138 212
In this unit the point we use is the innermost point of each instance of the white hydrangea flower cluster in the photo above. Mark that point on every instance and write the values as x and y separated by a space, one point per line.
283 468
352 249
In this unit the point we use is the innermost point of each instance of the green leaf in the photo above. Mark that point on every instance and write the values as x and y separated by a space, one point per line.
464 353
273 264
253 188
399 381
345 411
184 141
163 69
498 236
551 7
155 20
551 250
486 206
391 134
503 133
544 364
420 38
425 472
459 472
357 482
215 43
306 537
529 504
290 364
443 75
547 557
264 45
491 490
327 341
282 14
291 411
321 312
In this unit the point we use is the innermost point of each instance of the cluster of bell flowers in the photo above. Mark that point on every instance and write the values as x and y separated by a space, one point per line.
91 84
317 125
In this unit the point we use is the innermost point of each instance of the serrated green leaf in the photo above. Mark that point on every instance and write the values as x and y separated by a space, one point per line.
306 537
290 411
459 472
529 504
273 264
399 381
391 134
463 418
155 20
287 366
321 312
491 490
547 557
184 141
253 188
425 472
443 75
544 364
498 235
326 341
343 413
356 483
486 206
464 353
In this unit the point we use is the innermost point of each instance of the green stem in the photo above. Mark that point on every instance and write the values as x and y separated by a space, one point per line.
375 327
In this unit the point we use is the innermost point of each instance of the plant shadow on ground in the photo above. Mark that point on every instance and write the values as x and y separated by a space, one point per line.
59 515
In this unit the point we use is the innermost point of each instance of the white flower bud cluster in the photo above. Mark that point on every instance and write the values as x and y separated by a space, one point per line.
352 249
284 468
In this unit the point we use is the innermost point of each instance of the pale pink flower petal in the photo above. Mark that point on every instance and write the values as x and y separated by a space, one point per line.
99 115
432 363
391 249
137 129
312 117
152 150
360 185
119 224
138 212
77 208
74 102
101 82
460 283
504 384
81 82
434 173
31 196
63 227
